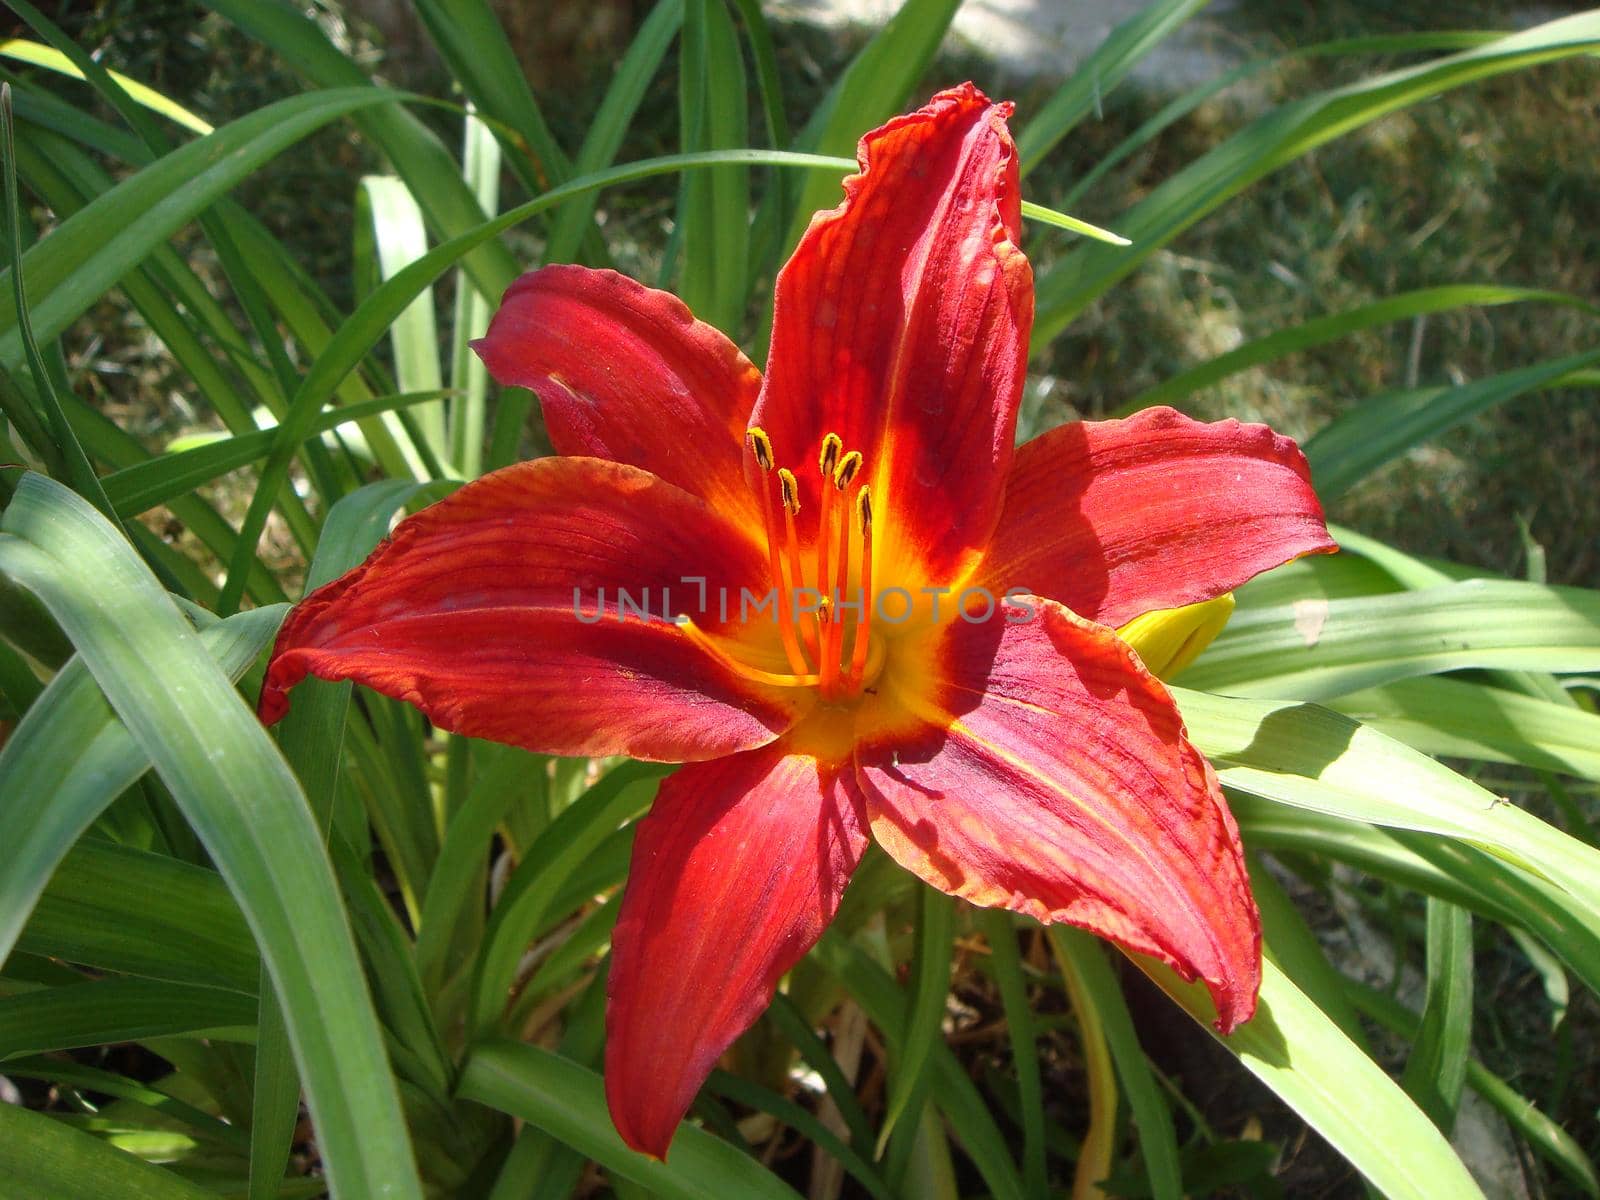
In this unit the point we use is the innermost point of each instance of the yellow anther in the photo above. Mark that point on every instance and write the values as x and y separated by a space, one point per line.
761 444
789 490
847 470
832 447
864 507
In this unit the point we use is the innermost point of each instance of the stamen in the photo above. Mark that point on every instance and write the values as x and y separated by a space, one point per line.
826 463
761 445
789 494
833 640
858 655
743 669
841 470
832 447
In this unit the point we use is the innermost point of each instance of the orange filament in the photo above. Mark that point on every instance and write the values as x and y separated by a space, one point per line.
858 653
789 495
835 632
761 446
849 466
828 461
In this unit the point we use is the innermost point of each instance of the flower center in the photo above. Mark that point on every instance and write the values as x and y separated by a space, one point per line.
824 624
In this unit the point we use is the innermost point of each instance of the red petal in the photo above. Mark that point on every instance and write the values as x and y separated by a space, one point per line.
901 324
625 372
1115 518
468 613
736 872
1054 778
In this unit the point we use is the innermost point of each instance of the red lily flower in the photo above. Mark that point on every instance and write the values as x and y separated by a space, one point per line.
1011 749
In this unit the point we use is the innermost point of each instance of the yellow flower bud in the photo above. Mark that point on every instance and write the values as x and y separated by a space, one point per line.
1169 639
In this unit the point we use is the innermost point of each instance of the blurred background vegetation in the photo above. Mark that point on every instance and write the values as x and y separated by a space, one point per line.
1499 182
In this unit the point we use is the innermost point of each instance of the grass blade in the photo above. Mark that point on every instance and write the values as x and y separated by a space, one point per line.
142 486
611 120
70 757
469 378
1293 1048
930 995
1001 932
1543 1134
1436 1071
243 802
1445 716
88 252
1315 649
568 1101
161 1104
473 43
1322 330
554 856
392 219
456 880
787 1018
1099 1144
418 156
40 1156
186 928
1094 988
714 205
1433 866
111 1010
69 458
1317 761
1380 429
953 1092
275 1101
759 35
1299 954
742 1091
874 87
53 60
1184 104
